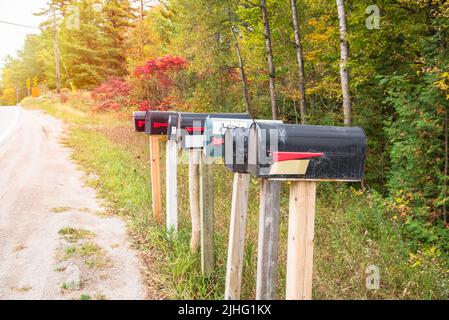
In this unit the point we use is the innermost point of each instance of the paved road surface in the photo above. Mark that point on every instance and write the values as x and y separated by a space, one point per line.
41 192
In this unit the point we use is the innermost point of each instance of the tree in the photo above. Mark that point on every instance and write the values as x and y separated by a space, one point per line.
240 60
119 17
270 58
344 60
299 57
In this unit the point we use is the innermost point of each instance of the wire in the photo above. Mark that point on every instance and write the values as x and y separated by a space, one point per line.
67 73
18 25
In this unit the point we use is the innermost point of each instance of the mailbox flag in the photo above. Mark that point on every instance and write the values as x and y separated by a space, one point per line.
285 156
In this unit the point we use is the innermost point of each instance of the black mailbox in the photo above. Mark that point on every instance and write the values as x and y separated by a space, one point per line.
236 146
139 121
156 122
236 149
191 126
173 125
214 134
303 152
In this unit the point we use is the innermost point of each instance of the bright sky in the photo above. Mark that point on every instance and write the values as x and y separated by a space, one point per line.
21 12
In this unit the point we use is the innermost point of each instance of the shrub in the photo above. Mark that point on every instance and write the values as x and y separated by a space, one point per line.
111 95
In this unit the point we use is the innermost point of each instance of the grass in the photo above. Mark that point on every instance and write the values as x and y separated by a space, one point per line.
90 253
60 209
74 235
354 229
85 296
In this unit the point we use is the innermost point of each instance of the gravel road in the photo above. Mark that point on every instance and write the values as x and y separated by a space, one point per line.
54 241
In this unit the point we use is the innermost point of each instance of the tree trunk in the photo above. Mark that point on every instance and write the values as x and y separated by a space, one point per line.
269 48
241 64
445 217
56 44
344 58
299 57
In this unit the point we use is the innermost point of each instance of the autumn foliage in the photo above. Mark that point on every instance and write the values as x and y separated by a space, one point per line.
158 78
111 95
161 68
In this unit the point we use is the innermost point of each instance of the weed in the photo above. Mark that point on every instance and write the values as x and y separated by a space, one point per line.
73 235
61 209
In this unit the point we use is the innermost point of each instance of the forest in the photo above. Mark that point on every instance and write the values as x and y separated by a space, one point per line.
382 65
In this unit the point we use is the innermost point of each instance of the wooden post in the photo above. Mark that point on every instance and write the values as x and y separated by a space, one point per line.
172 185
267 255
237 231
156 192
207 217
301 225
194 198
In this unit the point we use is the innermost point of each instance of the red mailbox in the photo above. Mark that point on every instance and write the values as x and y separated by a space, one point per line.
139 121
156 122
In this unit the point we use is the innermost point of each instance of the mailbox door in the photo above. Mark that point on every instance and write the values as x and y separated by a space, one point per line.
139 121
173 127
192 127
301 152
236 150
156 122
214 134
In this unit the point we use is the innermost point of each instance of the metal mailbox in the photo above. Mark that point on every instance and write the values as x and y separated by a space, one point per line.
139 121
236 146
191 127
173 125
303 152
236 150
156 122
214 134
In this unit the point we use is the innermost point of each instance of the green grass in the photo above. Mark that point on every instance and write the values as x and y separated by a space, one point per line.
90 253
353 230
60 209
85 296
74 235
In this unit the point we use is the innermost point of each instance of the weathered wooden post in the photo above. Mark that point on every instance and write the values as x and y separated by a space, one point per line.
194 197
214 149
300 240
237 234
156 125
268 242
192 126
207 216
140 125
156 190
304 155
236 159
172 174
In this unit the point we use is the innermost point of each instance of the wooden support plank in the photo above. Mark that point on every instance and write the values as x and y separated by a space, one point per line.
156 191
207 217
194 194
237 232
172 185
267 255
301 224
